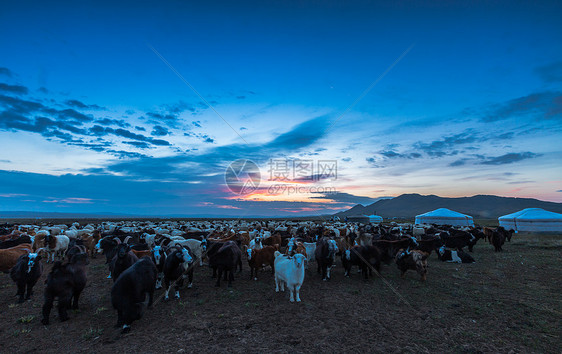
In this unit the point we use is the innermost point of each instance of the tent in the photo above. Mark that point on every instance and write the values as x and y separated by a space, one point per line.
444 216
375 219
532 219
365 219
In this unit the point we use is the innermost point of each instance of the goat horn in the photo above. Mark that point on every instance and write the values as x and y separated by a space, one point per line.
126 239
116 239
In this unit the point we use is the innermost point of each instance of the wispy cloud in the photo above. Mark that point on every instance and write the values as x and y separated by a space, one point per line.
14 89
550 73
539 105
6 72
509 158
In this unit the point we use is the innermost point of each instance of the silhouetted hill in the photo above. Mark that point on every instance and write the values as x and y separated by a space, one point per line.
478 206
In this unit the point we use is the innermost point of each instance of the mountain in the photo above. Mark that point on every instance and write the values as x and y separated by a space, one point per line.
478 206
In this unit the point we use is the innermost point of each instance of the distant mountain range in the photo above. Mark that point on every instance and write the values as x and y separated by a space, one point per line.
478 206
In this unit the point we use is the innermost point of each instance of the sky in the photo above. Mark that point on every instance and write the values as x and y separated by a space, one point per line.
141 107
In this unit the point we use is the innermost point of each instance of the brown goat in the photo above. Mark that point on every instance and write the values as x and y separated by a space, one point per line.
9 256
258 258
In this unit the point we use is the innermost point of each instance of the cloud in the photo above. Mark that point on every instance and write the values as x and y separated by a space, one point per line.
196 123
70 200
169 114
168 118
78 104
72 114
302 135
215 160
540 105
125 154
15 89
159 130
446 146
342 197
6 72
98 130
391 154
138 144
108 121
550 73
509 158
460 162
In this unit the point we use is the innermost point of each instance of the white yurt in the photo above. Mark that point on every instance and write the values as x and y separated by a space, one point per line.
365 219
375 219
532 219
444 216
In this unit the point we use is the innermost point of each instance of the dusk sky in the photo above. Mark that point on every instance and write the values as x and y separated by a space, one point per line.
139 108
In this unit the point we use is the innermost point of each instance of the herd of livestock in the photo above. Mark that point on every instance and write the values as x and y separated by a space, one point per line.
143 256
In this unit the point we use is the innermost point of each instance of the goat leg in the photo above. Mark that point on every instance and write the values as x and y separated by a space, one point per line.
47 308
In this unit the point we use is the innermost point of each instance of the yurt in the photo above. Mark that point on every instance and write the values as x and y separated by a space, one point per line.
444 216
375 219
532 219
365 219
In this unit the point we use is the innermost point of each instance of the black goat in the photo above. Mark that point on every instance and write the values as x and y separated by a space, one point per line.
65 281
123 259
26 273
159 258
178 265
325 254
225 258
133 292
363 256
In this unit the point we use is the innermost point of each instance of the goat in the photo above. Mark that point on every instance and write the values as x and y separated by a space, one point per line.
26 273
258 258
325 254
363 256
458 256
415 260
65 281
225 259
159 259
56 245
133 292
123 259
9 256
290 271
178 264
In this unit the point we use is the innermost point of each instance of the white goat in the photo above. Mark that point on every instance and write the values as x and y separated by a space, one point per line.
60 246
290 271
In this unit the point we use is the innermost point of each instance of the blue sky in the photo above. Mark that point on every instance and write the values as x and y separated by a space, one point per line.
93 120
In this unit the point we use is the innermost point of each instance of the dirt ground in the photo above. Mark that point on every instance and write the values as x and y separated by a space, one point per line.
505 302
